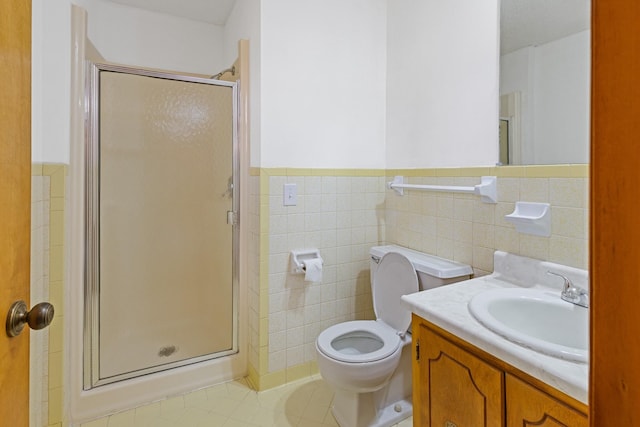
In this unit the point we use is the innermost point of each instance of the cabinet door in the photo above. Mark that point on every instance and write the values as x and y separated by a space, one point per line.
528 406
457 389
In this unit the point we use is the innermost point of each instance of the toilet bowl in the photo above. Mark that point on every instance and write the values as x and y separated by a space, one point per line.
367 363
358 355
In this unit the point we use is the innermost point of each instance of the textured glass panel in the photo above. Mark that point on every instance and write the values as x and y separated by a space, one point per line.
166 291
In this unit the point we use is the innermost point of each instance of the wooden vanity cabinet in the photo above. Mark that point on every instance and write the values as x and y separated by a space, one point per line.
457 385
452 387
528 406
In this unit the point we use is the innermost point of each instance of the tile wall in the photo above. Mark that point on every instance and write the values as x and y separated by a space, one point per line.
463 228
256 339
339 212
345 212
39 342
48 192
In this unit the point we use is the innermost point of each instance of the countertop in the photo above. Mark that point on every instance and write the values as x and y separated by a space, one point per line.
446 307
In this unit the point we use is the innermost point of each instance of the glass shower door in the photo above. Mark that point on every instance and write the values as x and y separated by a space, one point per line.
161 283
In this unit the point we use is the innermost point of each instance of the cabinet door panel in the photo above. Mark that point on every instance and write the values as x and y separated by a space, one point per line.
528 406
459 389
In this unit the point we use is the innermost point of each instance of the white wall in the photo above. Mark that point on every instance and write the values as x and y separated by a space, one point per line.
244 23
142 38
442 83
50 97
122 35
331 87
517 75
562 80
323 83
554 80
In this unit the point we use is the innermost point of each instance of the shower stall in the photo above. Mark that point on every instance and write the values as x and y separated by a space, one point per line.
161 232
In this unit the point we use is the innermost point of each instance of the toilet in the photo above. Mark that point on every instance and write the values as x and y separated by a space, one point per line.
367 363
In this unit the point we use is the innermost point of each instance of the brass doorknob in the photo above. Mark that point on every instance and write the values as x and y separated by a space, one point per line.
39 317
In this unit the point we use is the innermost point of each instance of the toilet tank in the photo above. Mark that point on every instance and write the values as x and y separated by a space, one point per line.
432 271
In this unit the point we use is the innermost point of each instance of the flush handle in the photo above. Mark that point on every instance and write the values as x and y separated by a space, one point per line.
39 317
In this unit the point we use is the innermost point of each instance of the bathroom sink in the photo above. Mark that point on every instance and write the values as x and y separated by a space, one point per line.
537 319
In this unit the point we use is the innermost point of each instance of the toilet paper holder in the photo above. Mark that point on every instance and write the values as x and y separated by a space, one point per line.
300 256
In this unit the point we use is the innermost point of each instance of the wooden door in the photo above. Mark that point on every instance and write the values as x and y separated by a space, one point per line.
456 388
614 219
528 406
15 202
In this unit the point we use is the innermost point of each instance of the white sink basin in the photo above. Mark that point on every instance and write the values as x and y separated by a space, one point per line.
536 319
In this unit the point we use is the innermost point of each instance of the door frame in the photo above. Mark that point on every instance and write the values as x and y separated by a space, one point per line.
614 244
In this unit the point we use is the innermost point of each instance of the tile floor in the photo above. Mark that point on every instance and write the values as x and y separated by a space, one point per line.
303 403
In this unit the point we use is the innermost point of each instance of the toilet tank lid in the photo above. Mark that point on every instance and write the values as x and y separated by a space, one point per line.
432 265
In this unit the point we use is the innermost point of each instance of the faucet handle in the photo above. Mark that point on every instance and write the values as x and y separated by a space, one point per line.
572 293
567 282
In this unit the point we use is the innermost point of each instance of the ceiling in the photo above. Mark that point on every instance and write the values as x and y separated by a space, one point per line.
534 22
523 22
211 11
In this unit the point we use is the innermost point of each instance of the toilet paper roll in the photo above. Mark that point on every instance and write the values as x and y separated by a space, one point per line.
313 270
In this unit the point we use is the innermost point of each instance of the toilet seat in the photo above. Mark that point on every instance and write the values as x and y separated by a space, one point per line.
363 341
387 341
395 277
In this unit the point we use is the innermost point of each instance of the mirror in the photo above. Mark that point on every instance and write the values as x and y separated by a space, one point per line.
545 57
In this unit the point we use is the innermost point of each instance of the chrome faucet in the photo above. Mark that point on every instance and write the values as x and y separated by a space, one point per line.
571 293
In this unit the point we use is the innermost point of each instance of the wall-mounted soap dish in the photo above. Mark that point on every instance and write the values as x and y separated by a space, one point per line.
532 218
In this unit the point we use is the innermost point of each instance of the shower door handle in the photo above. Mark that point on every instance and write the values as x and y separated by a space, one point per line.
39 317
232 218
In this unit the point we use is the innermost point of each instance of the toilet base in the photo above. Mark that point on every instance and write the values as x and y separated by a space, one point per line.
360 410
394 413
378 408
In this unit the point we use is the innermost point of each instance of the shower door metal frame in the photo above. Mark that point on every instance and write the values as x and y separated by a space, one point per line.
92 223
